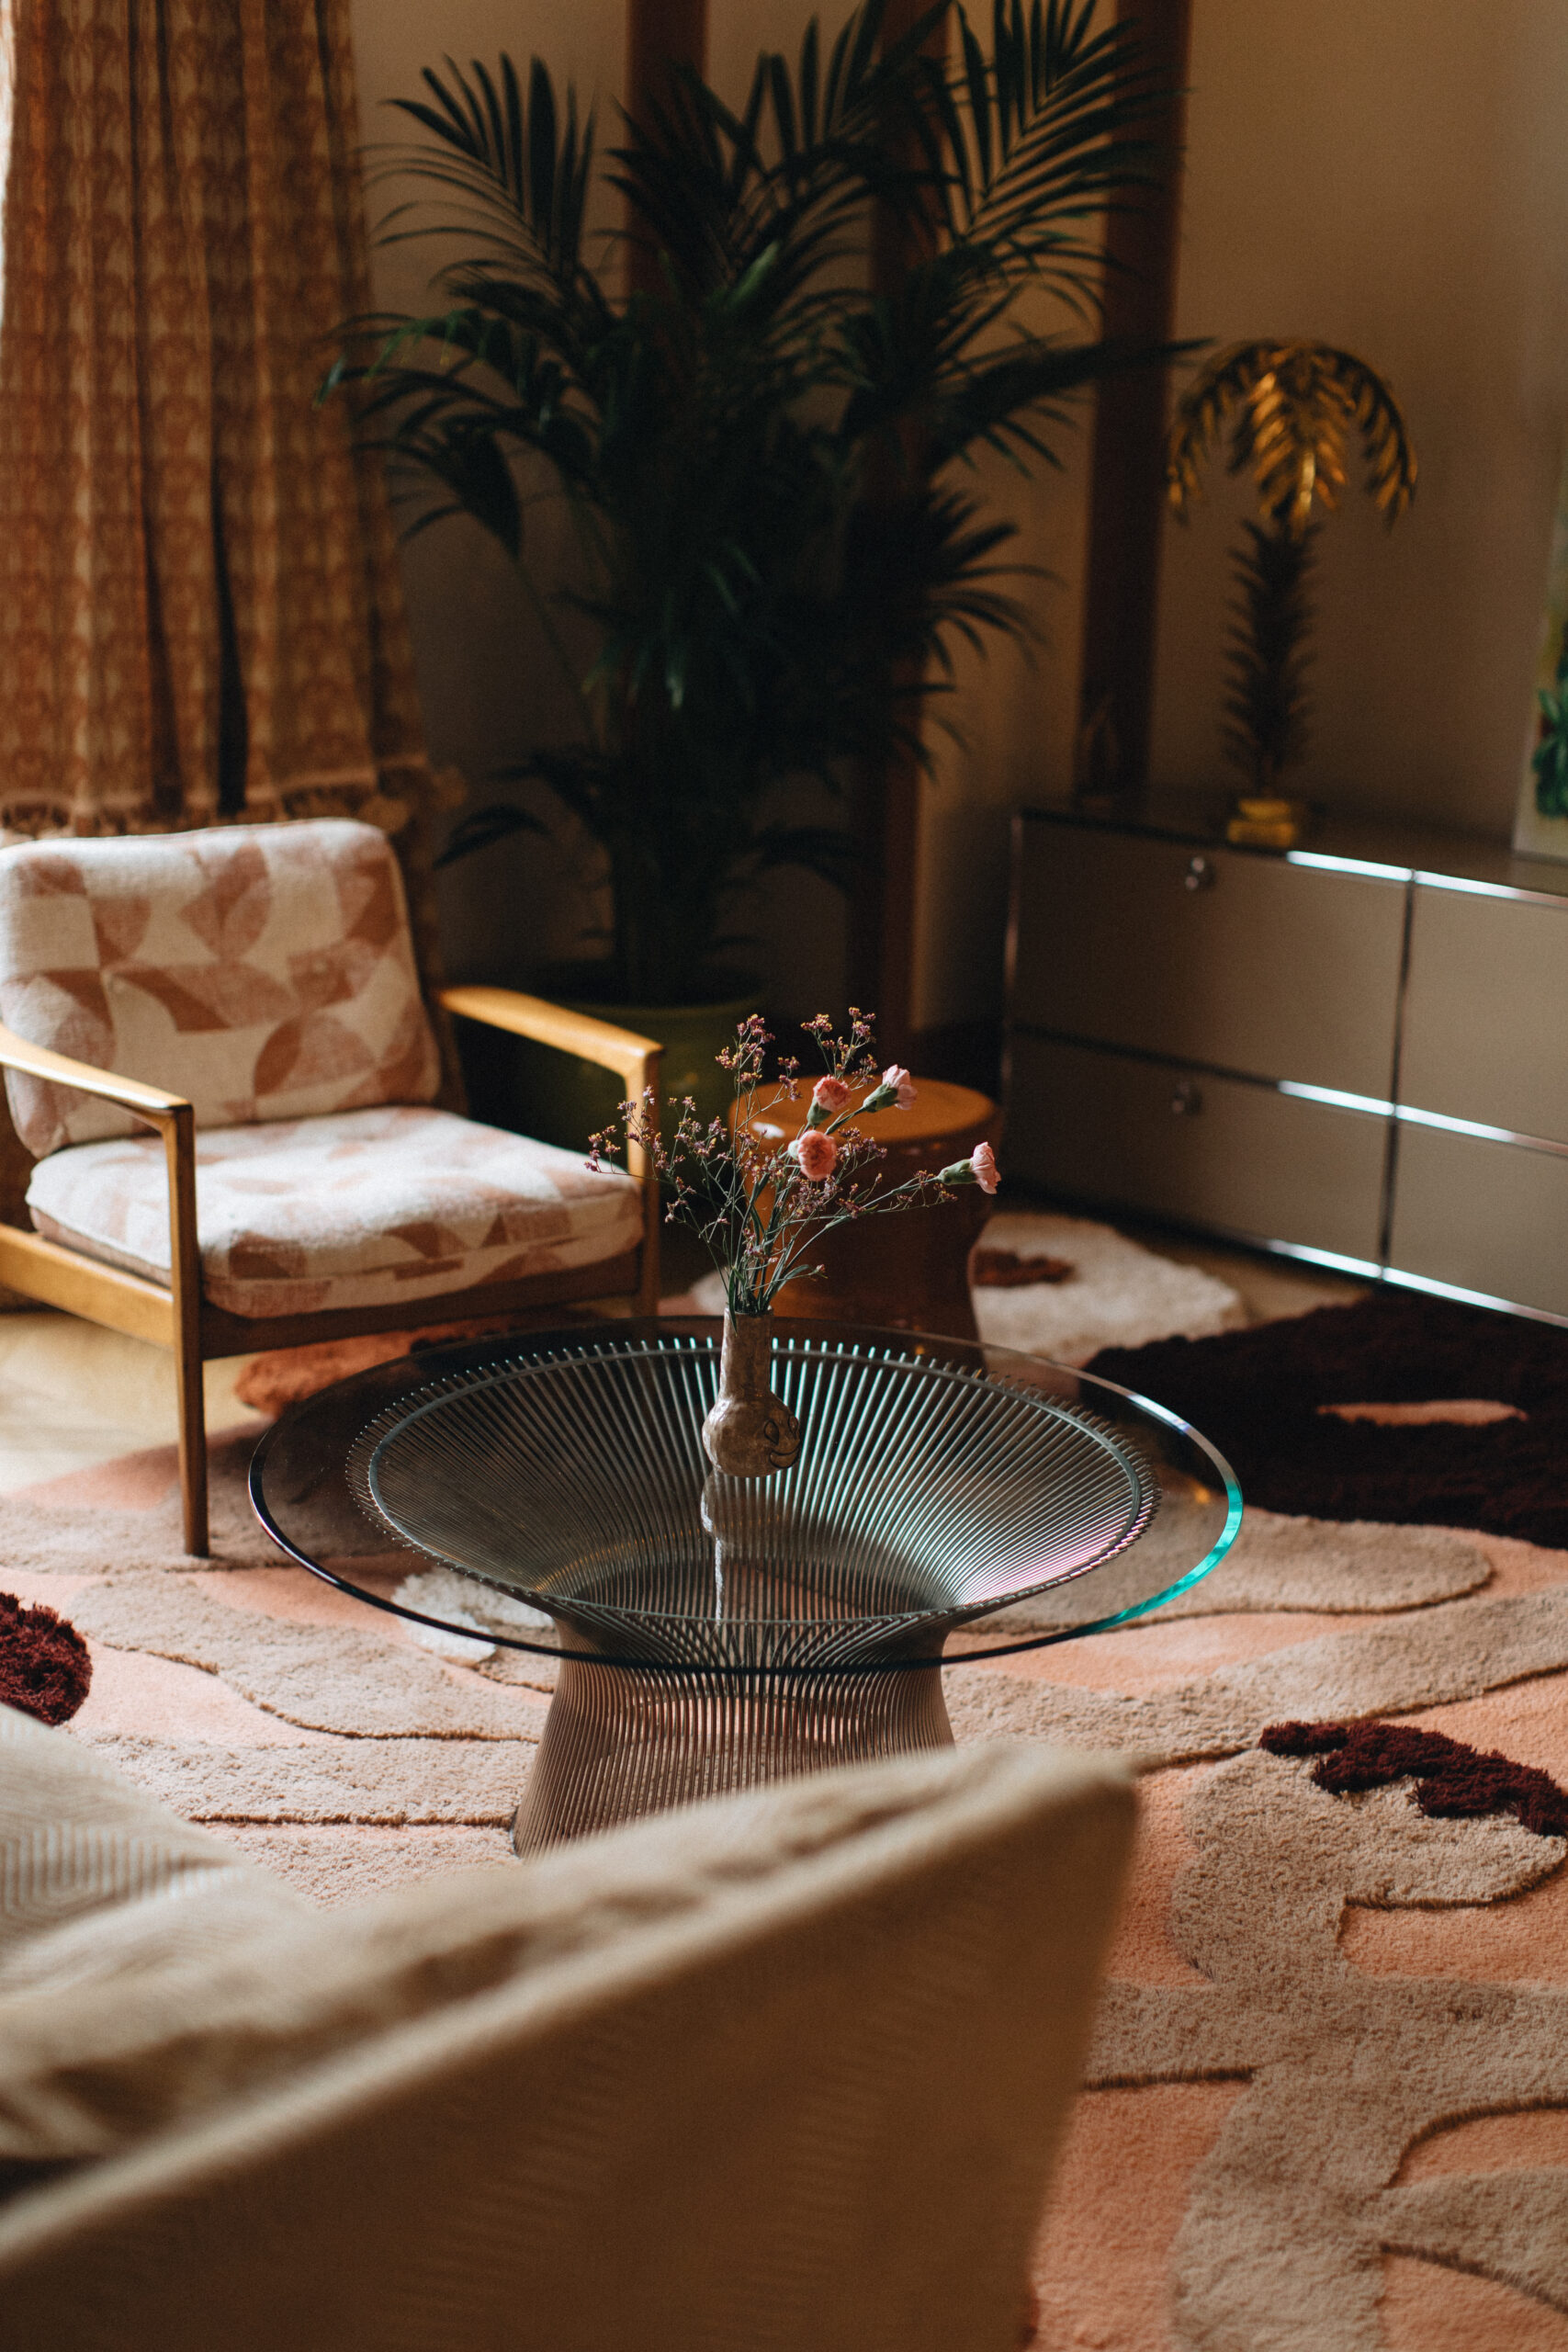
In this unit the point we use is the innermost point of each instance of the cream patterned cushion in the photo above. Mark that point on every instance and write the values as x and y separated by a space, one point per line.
264 972
357 1208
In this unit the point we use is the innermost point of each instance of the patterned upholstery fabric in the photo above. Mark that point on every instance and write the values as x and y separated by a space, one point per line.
264 972
356 1208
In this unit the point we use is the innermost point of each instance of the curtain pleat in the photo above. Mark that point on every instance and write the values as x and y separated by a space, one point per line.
200 613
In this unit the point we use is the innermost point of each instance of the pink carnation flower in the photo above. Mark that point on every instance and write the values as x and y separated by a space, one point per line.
818 1154
982 1159
902 1083
830 1095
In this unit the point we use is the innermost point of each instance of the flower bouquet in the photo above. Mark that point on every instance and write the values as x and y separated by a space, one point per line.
760 1211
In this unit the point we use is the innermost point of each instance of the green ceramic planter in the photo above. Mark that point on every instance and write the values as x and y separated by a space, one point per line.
564 1100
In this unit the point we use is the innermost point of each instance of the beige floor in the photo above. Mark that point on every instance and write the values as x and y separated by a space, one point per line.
73 1395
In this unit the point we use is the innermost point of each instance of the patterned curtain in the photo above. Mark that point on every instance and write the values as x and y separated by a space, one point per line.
199 608
200 614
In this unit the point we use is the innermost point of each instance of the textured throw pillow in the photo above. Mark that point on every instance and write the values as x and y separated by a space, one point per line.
262 971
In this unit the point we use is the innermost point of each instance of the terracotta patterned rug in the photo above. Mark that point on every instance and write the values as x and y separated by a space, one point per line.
1327 2103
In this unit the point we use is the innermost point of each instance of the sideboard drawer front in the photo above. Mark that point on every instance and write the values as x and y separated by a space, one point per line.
1281 971
1485 1216
1487 1012
1205 1150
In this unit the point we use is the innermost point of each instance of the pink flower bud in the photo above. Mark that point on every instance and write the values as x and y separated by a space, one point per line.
901 1083
818 1154
830 1095
982 1159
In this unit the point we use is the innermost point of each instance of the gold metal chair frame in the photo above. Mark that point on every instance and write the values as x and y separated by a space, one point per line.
182 1319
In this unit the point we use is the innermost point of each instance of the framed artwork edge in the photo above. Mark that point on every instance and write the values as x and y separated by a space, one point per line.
1536 835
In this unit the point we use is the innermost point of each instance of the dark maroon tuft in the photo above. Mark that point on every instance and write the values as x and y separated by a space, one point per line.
44 1667
1303 1739
1453 1782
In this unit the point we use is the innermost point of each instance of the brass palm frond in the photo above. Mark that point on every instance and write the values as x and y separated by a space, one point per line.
1291 410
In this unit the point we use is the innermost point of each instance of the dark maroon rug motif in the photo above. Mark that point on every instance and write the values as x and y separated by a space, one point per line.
44 1667
1257 1393
1453 1782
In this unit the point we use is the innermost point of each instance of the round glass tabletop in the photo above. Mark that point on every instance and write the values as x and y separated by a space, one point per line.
549 1492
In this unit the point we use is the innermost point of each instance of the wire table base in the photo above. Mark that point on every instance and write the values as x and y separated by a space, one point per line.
621 1742
711 1632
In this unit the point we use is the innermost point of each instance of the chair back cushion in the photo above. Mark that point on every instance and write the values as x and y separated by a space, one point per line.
262 971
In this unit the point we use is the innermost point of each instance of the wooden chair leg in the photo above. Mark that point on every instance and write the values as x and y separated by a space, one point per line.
192 1452
185 1262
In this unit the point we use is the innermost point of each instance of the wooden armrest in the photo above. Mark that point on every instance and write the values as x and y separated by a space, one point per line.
154 1103
634 1058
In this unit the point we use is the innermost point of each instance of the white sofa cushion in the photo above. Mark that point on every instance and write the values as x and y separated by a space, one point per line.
355 1209
262 971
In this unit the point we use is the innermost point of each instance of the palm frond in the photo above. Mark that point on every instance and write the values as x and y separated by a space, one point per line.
522 171
1266 702
1291 409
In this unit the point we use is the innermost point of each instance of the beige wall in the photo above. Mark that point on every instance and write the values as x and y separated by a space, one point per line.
1392 177
487 684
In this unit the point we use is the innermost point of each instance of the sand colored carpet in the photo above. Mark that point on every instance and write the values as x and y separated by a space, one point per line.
1327 2106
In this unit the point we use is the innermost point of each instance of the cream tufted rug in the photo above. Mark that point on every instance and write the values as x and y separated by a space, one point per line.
1328 2098
1116 1294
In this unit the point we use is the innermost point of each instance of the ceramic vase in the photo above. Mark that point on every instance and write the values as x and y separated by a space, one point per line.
749 1432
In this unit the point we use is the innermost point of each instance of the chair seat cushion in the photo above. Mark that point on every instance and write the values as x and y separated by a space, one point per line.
356 1209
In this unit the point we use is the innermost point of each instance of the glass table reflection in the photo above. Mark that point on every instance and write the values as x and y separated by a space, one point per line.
952 1502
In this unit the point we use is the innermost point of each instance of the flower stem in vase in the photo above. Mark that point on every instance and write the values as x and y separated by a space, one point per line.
760 1212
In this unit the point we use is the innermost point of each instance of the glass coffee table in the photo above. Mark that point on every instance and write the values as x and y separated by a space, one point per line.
952 1502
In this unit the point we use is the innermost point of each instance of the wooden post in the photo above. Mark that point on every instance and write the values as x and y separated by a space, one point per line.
881 959
1127 484
659 34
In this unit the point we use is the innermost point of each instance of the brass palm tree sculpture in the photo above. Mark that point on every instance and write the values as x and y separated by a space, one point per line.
1290 410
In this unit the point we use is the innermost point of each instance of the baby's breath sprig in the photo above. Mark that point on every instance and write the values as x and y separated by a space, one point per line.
758 1210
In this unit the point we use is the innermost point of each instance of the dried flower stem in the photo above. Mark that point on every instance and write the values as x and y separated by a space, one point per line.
760 1210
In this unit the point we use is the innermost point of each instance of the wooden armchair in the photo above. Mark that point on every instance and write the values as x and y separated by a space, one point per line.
291 1117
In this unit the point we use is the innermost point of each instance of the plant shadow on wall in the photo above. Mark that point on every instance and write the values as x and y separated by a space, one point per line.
764 463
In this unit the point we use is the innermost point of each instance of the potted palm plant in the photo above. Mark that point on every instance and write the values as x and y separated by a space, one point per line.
763 459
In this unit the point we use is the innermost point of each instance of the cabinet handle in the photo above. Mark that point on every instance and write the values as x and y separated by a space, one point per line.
1200 874
1186 1099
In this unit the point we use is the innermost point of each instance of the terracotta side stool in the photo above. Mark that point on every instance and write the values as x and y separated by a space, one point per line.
910 1269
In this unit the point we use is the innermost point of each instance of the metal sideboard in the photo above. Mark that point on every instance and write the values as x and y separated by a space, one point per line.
1354 1052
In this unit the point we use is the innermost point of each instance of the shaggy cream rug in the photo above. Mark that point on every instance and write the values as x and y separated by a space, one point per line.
1327 2106
1116 1293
